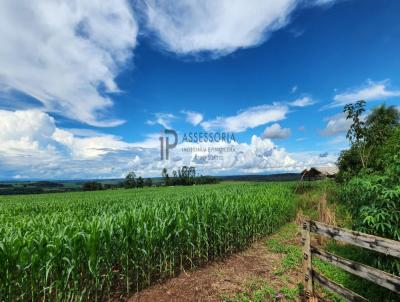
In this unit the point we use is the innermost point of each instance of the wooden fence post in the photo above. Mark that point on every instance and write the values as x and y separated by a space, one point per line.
367 241
307 264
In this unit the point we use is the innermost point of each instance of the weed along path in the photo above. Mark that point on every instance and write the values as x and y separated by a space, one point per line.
269 270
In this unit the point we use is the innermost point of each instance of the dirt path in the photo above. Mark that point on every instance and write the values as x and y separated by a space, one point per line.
268 270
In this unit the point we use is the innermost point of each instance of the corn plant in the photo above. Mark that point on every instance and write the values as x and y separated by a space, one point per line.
91 246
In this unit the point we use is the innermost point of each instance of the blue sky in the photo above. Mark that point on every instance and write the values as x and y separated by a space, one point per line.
85 89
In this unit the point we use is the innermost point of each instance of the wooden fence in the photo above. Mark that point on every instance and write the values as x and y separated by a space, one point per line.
374 243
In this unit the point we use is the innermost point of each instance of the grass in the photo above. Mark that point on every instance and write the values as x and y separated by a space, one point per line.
285 243
308 204
259 290
361 286
282 243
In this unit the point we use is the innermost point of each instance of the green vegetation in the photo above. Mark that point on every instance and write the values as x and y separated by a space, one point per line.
366 197
256 291
312 195
371 138
92 186
29 187
186 176
91 245
32 187
40 187
259 291
370 175
367 289
285 243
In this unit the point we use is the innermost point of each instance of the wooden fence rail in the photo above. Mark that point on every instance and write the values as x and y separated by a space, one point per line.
378 244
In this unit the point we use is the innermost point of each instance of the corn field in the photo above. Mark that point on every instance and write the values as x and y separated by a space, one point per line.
96 246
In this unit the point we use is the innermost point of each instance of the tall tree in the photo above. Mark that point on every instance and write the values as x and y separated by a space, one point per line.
192 172
357 131
165 176
140 182
368 137
381 122
130 181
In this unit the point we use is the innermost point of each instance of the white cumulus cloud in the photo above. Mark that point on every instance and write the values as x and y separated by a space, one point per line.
248 119
336 124
163 119
193 118
371 91
219 26
32 145
66 54
25 132
302 102
275 131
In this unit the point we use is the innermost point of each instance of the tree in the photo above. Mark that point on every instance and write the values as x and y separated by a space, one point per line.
140 182
370 170
165 176
367 137
130 181
186 176
192 172
381 123
349 164
357 131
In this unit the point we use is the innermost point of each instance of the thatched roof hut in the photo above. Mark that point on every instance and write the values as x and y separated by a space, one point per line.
320 172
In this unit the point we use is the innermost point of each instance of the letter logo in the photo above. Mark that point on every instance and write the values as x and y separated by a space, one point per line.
168 146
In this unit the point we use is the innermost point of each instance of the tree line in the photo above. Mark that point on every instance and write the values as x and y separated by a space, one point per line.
130 181
186 176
